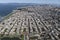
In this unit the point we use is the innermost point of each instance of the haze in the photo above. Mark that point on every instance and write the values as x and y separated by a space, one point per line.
32 1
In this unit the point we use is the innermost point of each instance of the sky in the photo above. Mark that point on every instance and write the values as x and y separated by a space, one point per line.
31 1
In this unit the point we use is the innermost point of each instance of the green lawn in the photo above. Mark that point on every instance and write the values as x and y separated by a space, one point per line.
22 37
6 17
